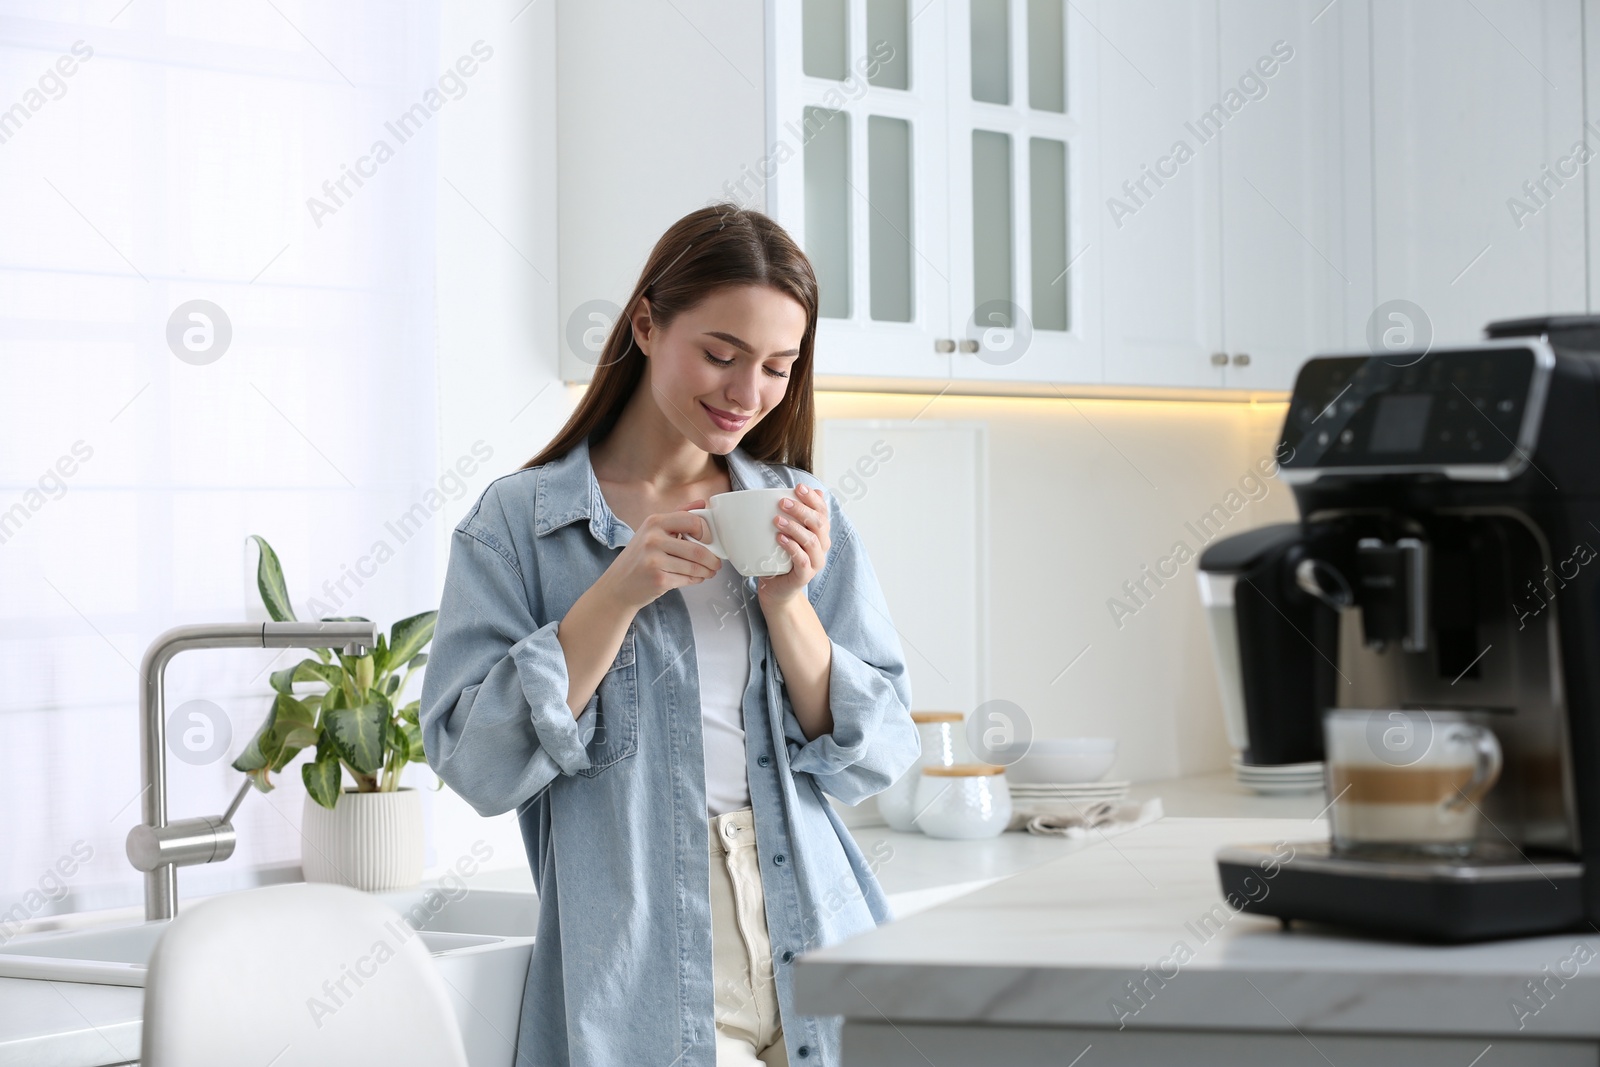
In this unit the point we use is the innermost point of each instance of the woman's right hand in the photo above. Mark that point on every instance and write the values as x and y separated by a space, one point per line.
660 557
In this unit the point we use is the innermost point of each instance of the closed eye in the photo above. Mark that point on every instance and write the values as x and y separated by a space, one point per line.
729 363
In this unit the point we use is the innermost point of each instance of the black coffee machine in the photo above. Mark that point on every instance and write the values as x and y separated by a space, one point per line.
1445 558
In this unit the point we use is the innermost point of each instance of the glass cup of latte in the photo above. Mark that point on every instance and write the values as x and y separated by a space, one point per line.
1407 782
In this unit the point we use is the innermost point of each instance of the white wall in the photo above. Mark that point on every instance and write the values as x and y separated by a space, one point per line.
1083 493
626 173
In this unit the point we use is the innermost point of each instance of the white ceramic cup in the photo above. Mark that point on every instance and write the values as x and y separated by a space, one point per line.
742 531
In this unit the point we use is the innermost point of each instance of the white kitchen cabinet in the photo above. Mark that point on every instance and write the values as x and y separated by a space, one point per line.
1021 96
1159 246
1284 268
1224 202
916 151
858 106
660 109
939 189
1222 224
1472 113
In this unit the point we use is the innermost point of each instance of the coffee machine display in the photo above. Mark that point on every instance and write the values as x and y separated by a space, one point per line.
1430 631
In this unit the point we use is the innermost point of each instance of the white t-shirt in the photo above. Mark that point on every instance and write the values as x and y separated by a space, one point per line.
717 610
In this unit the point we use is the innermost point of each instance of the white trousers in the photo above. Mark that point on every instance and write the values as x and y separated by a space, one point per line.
749 1031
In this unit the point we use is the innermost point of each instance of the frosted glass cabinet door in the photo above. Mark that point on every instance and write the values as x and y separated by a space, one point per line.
860 172
1023 299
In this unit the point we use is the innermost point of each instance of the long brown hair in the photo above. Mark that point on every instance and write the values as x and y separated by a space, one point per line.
706 250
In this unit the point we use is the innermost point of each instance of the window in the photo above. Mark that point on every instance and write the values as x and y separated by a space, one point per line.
217 306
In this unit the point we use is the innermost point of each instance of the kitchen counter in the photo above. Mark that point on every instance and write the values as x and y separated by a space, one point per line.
1125 946
63 1024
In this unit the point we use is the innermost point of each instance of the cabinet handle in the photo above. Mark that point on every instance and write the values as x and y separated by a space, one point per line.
968 345
944 344
1241 359
1219 359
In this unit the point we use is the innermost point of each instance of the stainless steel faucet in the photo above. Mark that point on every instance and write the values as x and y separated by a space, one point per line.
158 847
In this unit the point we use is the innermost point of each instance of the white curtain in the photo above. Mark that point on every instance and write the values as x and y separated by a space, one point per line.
155 154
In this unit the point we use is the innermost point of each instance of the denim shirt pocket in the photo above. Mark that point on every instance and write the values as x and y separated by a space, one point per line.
616 731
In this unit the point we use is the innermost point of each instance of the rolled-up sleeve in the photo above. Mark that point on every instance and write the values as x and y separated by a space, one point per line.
495 723
873 740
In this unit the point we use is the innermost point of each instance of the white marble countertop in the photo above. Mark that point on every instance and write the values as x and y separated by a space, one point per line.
62 1024
1060 942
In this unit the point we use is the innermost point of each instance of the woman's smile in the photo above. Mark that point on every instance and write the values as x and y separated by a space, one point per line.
725 420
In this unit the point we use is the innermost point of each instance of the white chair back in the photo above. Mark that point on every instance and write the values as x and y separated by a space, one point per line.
291 975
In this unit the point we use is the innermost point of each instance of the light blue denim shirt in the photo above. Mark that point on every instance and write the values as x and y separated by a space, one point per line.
612 804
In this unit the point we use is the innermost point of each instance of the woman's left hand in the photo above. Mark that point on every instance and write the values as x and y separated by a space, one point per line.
802 523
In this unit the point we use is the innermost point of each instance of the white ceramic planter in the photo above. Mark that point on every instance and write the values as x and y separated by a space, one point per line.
370 841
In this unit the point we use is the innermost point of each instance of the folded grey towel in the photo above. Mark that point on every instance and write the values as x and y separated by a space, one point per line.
1101 817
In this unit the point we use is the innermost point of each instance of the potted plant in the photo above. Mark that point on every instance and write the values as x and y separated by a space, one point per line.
369 836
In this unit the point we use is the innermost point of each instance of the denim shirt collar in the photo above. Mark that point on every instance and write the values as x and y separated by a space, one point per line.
566 479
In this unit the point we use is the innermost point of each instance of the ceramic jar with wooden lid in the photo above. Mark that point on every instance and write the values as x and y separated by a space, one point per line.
943 745
963 800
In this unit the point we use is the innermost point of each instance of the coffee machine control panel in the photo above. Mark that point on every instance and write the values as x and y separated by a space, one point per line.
1468 413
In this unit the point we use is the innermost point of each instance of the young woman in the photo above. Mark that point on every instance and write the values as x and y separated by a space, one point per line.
664 728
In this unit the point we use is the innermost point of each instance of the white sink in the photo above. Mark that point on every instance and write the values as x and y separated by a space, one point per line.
481 941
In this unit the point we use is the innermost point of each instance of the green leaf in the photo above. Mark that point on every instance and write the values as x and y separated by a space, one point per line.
391 685
419 660
408 636
395 739
349 666
269 580
413 734
357 735
380 657
283 681
322 777
285 755
263 748
333 699
300 737
410 712
291 720
251 759
292 712
364 673
309 670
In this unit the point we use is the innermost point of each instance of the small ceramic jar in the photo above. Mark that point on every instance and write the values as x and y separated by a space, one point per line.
942 746
964 800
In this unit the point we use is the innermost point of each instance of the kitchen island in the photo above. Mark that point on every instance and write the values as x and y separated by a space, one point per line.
1126 947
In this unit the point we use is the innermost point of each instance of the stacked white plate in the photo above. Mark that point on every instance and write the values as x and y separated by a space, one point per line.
1280 778
1049 798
